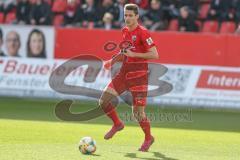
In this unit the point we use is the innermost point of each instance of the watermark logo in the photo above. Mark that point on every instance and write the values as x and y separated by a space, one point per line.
160 116
95 65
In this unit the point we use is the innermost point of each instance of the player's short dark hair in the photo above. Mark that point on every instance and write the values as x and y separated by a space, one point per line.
132 7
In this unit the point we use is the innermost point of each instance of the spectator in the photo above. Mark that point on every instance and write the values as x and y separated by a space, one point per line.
228 13
120 21
92 12
89 13
191 4
154 18
40 13
13 43
107 22
1 6
36 44
166 3
109 6
219 10
23 10
1 43
236 4
186 21
170 8
71 14
215 10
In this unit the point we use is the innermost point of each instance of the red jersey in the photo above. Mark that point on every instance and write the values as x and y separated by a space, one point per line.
141 42
133 75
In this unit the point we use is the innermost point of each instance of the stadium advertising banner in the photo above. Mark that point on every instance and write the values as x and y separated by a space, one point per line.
203 86
27 77
192 85
27 41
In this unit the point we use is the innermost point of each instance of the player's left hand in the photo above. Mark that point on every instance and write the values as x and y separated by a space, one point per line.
129 53
107 64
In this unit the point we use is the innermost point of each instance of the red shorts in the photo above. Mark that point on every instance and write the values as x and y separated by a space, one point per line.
135 82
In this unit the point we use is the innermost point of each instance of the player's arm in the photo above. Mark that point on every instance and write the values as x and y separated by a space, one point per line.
151 54
117 58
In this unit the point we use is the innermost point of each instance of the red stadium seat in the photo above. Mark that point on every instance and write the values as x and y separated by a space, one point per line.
173 25
227 27
1 18
204 11
10 17
59 6
210 26
58 20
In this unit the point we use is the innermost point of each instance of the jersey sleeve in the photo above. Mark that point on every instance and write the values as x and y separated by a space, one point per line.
147 39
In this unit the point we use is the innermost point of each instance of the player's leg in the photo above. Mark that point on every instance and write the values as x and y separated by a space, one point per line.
105 102
139 104
140 115
138 85
115 88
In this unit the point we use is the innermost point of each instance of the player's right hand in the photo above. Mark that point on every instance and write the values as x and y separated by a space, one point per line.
107 64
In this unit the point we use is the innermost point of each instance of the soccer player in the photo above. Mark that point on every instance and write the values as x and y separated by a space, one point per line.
133 75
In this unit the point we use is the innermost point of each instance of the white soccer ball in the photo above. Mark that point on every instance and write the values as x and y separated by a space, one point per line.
87 145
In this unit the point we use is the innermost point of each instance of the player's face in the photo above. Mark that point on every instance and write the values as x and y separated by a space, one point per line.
130 17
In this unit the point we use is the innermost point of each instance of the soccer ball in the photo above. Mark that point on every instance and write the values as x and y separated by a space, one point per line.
87 145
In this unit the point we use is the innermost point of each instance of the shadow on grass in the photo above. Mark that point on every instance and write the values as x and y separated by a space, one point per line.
157 156
95 155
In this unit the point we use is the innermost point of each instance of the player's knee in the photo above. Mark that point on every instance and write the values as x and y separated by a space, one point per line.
103 103
100 103
138 115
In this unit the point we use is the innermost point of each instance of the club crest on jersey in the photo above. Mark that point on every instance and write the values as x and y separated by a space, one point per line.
149 41
134 37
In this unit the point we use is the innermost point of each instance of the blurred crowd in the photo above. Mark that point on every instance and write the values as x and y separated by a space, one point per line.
156 15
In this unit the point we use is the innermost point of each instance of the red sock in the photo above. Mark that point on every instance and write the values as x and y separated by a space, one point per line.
145 125
112 114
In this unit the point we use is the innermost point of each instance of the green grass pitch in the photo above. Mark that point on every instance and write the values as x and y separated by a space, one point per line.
29 130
